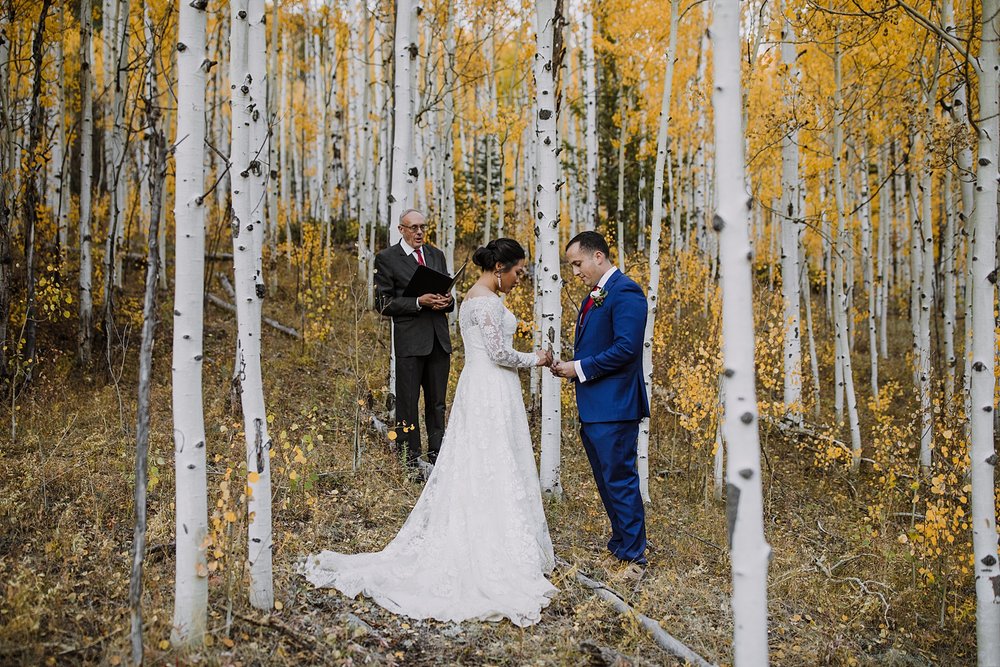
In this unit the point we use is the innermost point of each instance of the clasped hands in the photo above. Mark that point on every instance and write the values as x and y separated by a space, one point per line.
434 301
560 369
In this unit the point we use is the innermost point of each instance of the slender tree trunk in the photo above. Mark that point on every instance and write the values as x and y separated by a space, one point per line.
813 362
840 270
190 465
547 238
868 261
58 192
246 21
86 310
590 105
653 294
620 213
8 170
404 171
32 198
791 218
926 292
448 166
749 550
157 175
982 452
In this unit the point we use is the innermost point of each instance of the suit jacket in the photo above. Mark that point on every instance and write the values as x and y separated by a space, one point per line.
608 345
415 330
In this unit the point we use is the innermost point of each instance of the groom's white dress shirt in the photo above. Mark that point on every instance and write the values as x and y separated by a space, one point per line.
600 283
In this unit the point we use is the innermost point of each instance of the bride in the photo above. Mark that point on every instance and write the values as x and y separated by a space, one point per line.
476 545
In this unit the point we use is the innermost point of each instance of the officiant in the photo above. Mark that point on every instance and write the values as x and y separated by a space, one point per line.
421 336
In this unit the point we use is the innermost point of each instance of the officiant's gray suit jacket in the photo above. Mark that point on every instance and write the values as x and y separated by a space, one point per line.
415 329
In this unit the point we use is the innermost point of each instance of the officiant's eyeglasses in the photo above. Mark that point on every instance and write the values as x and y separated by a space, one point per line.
416 228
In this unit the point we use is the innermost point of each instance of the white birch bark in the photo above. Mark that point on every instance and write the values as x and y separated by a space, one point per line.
590 106
448 144
58 199
547 241
749 550
883 274
790 230
948 304
840 270
926 291
620 212
982 452
656 232
245 265
868 260
191 492
86 310
119 182
403 169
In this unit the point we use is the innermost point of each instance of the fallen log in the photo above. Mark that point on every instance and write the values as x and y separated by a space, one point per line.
663 639
225 305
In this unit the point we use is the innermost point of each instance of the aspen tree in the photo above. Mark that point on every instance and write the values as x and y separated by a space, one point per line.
620 211
590 106
404 171
790 227
157 174
244 38
748 548
840 270
86 310
190 464
656 233
547 239
7 171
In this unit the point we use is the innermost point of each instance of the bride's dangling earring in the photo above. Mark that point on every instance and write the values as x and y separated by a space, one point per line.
499 286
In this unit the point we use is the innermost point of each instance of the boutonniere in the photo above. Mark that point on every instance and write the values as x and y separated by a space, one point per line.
598 295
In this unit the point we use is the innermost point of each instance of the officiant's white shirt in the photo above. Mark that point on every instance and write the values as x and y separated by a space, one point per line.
408 249
600 284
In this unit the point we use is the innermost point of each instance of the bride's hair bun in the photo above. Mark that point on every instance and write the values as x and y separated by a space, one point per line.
507 252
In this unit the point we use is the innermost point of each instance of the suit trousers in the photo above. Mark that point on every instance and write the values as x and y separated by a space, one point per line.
611 448
430 373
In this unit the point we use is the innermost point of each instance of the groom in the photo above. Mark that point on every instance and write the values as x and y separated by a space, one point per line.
610 393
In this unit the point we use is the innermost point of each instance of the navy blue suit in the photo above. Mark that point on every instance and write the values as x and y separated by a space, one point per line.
611 402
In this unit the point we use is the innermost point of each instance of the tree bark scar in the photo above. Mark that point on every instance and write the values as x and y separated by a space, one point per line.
732 508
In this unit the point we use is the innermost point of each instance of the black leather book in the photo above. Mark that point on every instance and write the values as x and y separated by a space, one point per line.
426 280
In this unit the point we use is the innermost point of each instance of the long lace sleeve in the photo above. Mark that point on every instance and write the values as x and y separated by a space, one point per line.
489 318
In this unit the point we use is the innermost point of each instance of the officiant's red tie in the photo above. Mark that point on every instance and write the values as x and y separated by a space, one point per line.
420 257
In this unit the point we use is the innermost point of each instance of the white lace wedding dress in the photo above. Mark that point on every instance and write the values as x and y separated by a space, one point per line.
476 545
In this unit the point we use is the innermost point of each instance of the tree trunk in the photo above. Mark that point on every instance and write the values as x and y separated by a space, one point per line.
32 198
840 269
85 337
157 175
8 168
791 220
744 512
982 452
547 238
620 212
656 233
590 104
403 170
242 44
190 466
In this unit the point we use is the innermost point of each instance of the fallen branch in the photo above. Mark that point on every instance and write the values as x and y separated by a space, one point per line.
602 656
225 305
664 640
268 621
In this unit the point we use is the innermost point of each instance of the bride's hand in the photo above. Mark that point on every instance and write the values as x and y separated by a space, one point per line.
544 357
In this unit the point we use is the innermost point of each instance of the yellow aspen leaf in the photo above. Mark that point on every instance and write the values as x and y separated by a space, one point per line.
392 435
230 516
278 605
293 475
209 640
228 643
164 644
253 477
201 570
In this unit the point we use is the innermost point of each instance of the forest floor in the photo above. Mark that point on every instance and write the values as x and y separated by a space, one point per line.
837 593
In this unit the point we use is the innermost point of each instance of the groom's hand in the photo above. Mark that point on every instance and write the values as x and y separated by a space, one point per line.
563 369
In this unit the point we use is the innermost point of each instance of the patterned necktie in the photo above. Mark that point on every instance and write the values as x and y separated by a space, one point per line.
420 257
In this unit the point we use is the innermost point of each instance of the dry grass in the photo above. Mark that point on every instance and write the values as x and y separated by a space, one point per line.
837 594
